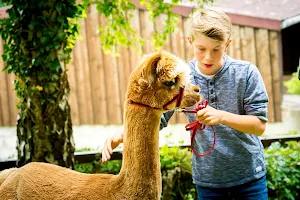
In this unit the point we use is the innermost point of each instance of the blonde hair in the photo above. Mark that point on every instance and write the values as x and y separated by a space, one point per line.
211 23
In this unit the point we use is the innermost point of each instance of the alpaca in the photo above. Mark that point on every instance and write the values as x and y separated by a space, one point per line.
160 83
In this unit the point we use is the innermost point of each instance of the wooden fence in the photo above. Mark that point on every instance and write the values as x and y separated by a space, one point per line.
98 81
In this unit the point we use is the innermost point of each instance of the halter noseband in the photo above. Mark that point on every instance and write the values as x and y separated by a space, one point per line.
177 98
191 126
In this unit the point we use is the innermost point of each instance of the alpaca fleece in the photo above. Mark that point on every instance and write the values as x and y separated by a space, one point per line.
156 81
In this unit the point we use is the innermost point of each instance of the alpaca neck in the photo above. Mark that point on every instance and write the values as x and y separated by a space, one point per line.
141 145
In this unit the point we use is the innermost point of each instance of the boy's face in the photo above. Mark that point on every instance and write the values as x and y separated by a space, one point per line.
209 54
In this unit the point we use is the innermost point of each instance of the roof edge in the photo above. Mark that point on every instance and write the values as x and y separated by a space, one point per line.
236 19
256 22
290 21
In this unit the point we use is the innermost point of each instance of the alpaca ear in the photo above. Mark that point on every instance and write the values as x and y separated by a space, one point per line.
150 65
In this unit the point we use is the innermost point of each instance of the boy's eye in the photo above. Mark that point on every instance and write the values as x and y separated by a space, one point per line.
201 49
216 49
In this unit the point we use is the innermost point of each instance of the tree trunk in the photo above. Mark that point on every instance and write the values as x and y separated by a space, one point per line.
39 37
45 134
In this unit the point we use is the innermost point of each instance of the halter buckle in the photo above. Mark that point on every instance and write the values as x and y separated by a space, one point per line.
178 110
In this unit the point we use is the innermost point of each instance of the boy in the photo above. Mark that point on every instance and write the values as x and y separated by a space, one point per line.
237 109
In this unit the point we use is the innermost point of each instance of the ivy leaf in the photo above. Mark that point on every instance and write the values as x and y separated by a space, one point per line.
58 7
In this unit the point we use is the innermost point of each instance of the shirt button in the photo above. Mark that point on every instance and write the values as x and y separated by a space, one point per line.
211 91
212 100
210 83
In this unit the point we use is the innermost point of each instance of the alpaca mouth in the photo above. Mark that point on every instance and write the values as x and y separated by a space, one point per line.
190 100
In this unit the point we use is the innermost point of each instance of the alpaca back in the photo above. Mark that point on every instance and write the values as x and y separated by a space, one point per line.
42 181
5 173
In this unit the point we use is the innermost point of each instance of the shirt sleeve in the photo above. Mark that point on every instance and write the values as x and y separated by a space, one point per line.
165 119
256 97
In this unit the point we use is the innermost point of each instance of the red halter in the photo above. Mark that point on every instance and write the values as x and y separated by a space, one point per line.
177 98
193 126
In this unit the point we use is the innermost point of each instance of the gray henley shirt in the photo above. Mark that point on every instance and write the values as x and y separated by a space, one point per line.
237 157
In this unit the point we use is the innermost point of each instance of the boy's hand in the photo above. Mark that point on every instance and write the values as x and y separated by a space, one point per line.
209 116
111 143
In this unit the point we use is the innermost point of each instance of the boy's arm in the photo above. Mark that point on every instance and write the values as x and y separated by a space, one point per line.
254 118
111 143
243 123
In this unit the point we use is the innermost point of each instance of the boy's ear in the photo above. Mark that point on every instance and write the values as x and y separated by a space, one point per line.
227 44
190 40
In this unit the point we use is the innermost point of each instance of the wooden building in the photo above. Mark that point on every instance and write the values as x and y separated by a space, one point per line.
98 81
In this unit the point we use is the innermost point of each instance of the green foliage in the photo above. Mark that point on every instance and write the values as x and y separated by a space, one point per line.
84 149
282 161
283 170
110 167
39 37
176 171
117 29
2 4
293 85
175 166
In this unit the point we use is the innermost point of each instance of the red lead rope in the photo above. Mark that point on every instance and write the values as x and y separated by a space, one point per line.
189 127
196 124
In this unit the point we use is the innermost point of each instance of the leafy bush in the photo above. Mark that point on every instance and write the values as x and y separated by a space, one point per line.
282 161
293 85
176 172
110 167
283 170
3 4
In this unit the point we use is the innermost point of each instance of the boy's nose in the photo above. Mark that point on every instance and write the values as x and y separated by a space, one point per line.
208 57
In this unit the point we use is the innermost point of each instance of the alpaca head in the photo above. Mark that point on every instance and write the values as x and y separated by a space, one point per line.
159 78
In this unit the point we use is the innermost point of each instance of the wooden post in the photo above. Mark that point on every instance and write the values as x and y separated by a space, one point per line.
83 78
4 97
112 85
177 45
96 67
235 46
135 56
147 29
73 96
12 99
124 69
248 44
264 63
276 73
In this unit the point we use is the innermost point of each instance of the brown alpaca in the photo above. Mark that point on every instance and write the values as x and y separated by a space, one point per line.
159 78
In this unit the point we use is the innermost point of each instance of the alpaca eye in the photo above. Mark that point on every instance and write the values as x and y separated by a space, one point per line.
169 83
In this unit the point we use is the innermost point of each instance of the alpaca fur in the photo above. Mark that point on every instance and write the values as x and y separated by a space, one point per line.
140 176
